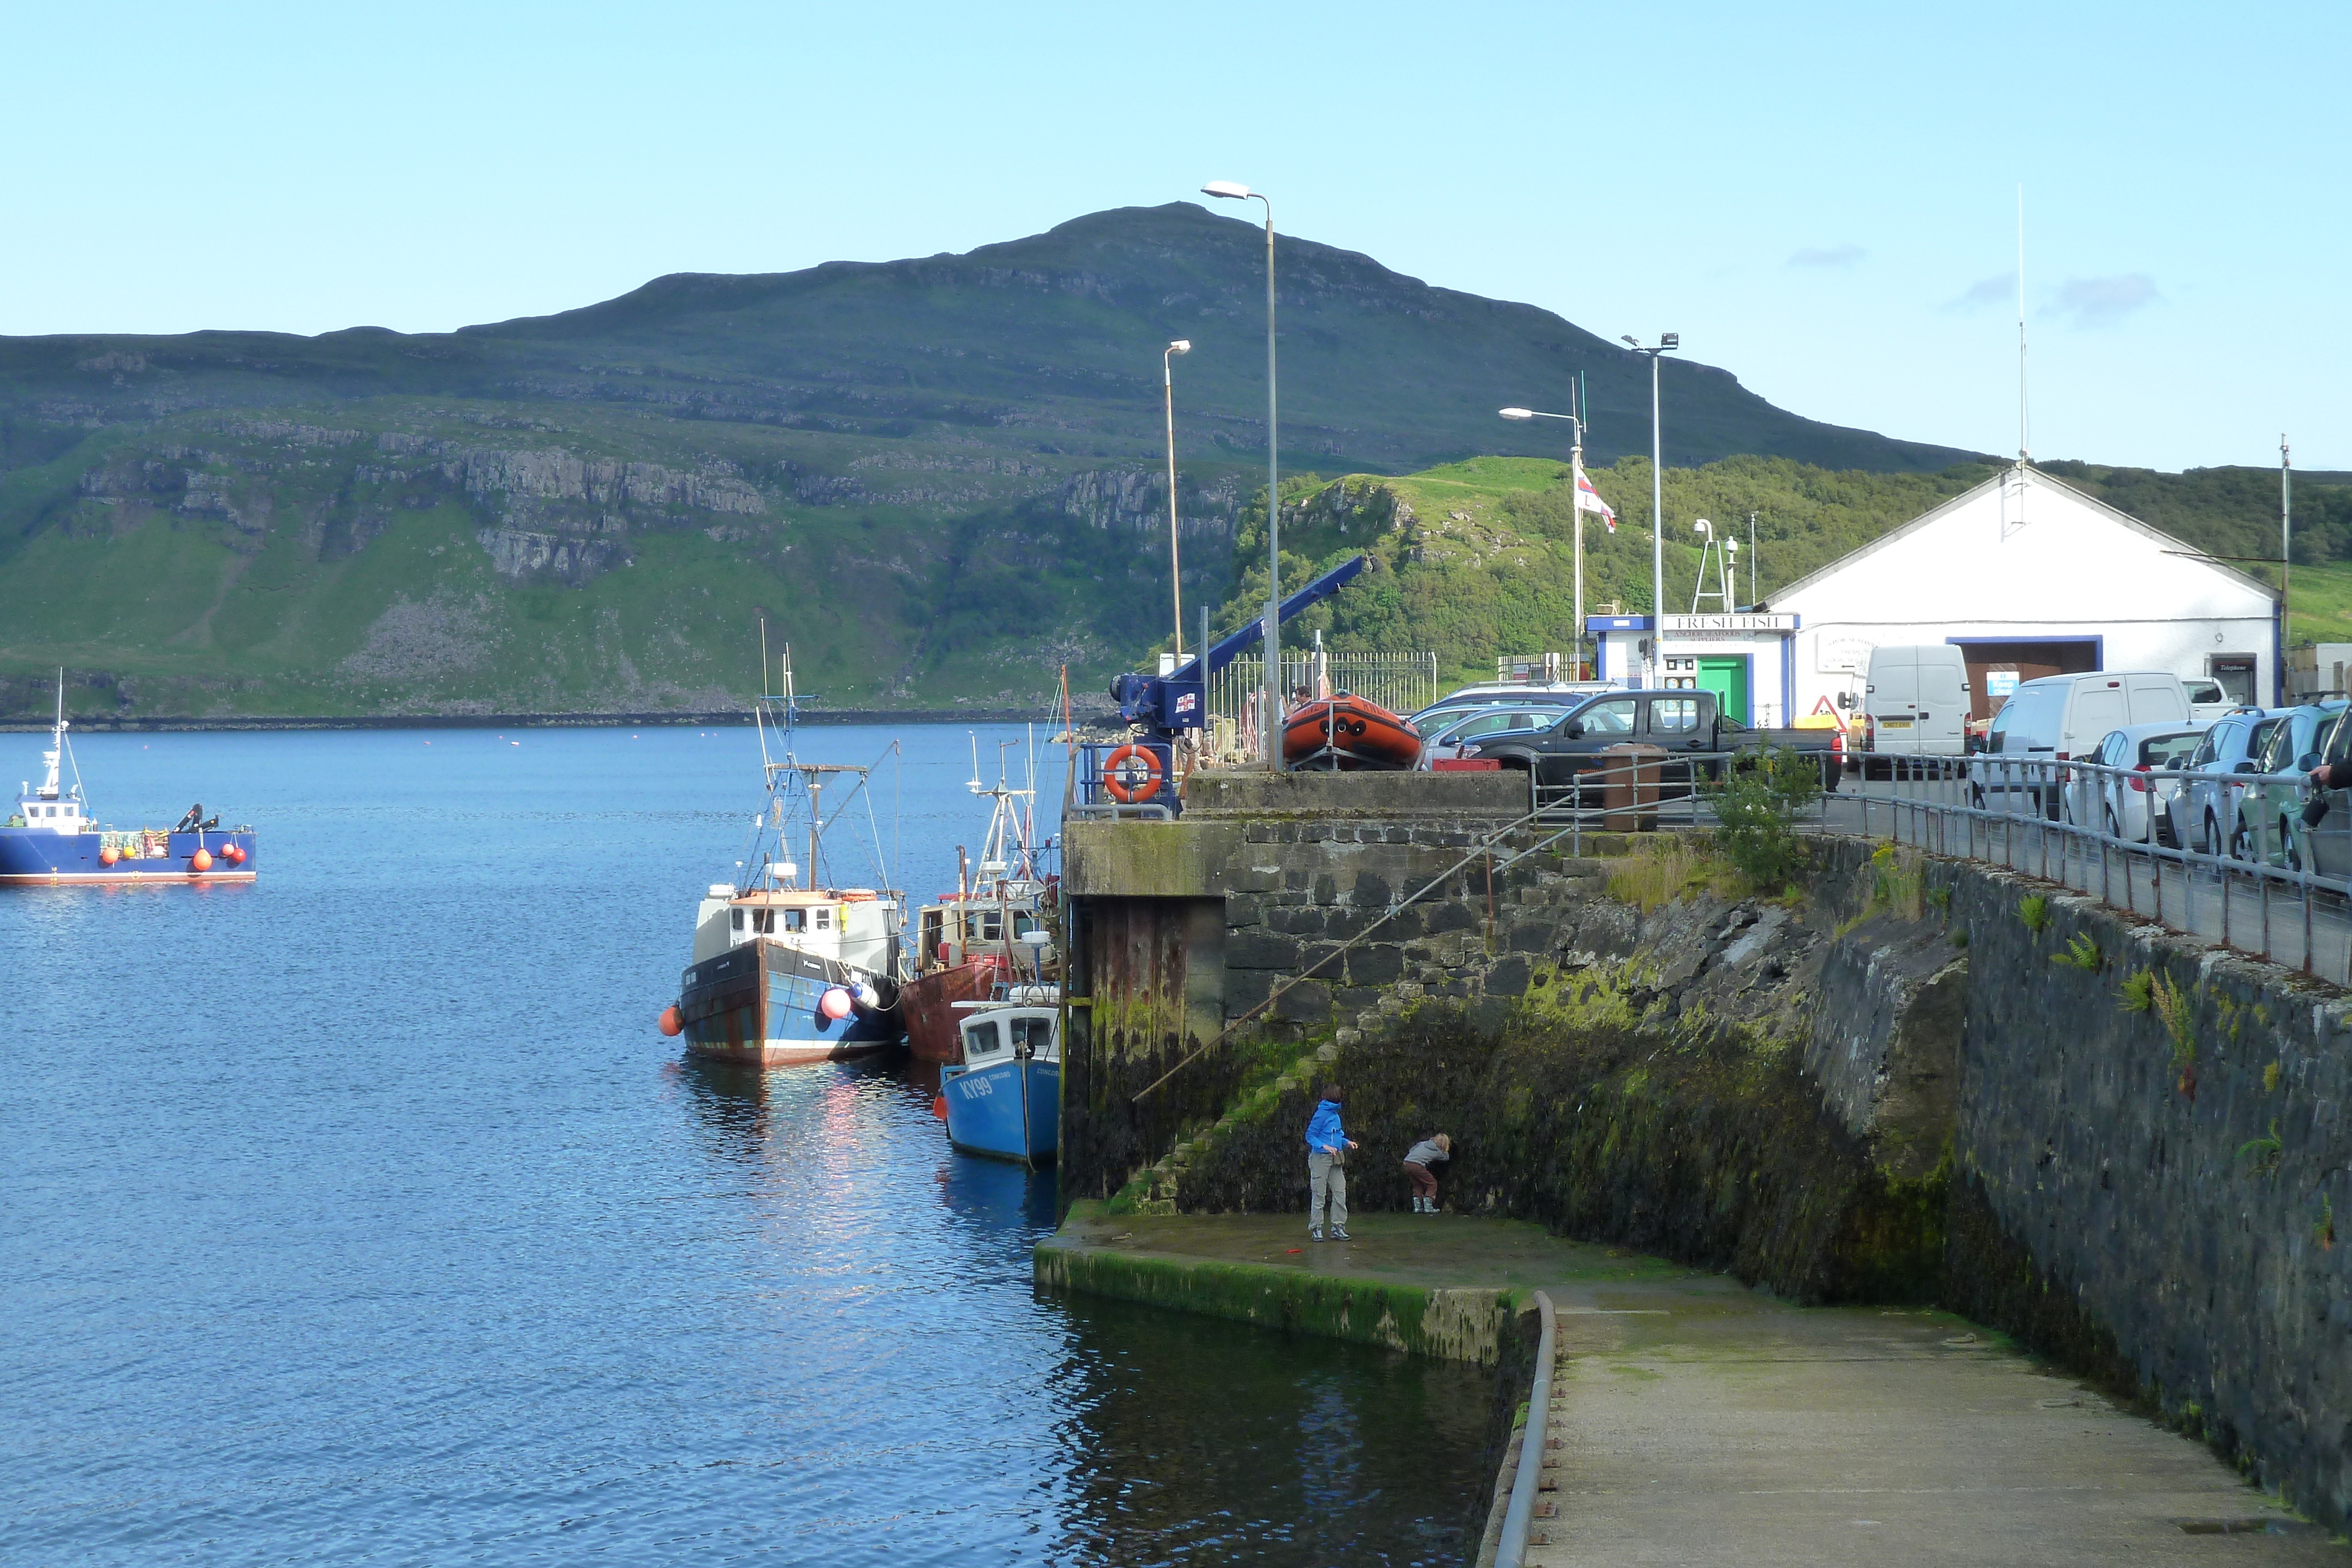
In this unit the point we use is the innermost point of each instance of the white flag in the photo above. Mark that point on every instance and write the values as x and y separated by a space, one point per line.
1587 499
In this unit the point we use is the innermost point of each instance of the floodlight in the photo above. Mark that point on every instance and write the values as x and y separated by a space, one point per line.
1180 346
1517 413
1669 339
1230 190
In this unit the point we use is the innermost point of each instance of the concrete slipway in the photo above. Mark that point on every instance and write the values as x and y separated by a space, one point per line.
1696 1421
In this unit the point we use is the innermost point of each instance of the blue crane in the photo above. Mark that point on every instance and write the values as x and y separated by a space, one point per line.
1166 705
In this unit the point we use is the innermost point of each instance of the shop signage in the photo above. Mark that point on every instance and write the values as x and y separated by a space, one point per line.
1703 625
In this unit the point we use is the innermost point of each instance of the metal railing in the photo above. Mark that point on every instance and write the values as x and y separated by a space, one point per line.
1511 1550
2262 882
1401 682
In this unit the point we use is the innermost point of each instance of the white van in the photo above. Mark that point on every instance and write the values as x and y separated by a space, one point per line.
1915 703
2061 716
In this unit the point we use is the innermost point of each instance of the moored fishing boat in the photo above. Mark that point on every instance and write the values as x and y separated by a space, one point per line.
1005 1100
785 969
1348 734
51 838
975 943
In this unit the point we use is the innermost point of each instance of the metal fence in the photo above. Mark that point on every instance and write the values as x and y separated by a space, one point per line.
1401 682
2261 879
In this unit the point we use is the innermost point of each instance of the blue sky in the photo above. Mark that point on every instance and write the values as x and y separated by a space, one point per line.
1820 198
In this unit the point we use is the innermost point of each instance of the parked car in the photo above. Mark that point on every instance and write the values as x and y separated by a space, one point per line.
1570 750
2204 810
2055 717
1448 725
2126 804
1458 727
2275 831
1915 703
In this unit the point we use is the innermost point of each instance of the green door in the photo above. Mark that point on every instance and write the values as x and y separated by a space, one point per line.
1726 676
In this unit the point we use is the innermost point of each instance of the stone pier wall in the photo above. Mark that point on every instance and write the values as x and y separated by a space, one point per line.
1919 1080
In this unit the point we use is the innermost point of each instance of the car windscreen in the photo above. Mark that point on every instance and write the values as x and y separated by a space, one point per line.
2018 716
2169 750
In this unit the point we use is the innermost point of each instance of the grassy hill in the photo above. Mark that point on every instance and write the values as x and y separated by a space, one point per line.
935 478
1476 558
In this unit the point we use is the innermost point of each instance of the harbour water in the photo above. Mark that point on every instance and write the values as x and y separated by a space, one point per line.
362 1215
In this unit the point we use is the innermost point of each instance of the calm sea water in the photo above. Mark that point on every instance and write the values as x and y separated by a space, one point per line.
362 1216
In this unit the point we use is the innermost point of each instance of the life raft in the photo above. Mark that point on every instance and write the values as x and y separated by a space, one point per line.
1346 733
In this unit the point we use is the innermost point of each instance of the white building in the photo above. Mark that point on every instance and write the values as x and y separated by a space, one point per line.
2030 576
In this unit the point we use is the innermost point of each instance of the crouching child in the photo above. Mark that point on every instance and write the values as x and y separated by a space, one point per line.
1435 1149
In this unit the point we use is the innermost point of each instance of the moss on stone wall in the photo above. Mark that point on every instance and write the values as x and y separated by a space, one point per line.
1592 1114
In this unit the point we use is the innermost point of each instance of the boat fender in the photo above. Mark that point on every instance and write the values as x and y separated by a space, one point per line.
1131 773
939 1107
108 856
670 1023
200 861
835 1003
867 997
235 853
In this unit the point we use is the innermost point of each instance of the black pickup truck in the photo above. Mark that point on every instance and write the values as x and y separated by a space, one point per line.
1678 722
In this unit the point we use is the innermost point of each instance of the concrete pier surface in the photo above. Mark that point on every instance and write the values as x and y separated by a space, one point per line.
1696 1421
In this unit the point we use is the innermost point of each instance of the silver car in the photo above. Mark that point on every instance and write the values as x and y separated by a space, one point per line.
1447 729
2120 802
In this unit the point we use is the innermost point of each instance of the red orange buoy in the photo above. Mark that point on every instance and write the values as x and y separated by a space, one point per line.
200 861
108 856
939 1107
834 1004
671 1024
236 853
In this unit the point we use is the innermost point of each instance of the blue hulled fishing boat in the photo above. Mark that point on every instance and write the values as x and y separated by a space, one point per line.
787 968
1005 1100
51 838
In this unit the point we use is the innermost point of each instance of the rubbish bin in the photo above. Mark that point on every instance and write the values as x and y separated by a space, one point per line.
1629 787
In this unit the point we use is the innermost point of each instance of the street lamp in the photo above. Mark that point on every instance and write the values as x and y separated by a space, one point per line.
1667 344
1576 504
1175 575
1232 191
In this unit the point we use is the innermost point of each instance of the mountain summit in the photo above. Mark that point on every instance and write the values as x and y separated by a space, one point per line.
930 472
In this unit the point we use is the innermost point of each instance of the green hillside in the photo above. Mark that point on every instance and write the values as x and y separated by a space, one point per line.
1475 559
935 478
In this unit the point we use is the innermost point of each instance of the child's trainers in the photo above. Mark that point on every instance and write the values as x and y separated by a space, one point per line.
1314 1233
1337 1234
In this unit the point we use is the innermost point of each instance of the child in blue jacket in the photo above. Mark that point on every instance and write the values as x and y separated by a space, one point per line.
1326 1168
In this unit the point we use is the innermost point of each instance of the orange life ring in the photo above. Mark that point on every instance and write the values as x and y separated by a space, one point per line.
1120 770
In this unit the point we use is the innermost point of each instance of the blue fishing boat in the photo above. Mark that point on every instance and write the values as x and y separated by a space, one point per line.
52 838
1005 1101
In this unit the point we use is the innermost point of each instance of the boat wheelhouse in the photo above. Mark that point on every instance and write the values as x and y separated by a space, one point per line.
1005 1100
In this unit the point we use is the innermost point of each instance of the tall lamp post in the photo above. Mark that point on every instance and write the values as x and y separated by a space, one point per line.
1175 573
1271 728
1667 344
1576 504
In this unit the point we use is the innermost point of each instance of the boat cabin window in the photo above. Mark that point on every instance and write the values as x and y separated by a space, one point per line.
763 920
795 919
1032 1037
824 920
981 1039
738 919
984 927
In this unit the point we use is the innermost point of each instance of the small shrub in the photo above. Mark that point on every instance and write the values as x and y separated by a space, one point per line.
2177 1009
2083 953
1671 866
1756 813
1897 885
2270 1078
2136 994
2034 910
1942 899
2264 1151
1960 938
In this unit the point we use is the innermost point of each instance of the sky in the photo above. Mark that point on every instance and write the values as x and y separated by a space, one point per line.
1820 198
